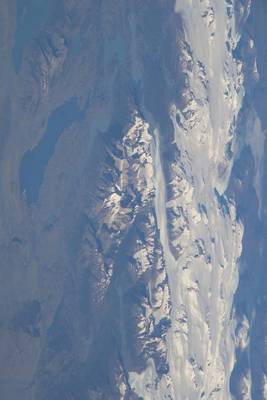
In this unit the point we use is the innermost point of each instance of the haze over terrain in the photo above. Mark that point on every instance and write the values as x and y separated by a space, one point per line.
133 203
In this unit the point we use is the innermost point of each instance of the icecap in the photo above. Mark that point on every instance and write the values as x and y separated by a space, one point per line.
201 236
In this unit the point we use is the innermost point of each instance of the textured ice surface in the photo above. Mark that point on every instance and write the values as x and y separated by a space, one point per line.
199 231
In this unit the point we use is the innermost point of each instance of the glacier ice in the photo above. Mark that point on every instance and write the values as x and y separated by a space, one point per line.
200 233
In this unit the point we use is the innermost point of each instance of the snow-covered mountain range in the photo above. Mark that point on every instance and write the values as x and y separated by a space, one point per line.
133 203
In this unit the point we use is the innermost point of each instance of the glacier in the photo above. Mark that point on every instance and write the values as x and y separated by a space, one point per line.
200 233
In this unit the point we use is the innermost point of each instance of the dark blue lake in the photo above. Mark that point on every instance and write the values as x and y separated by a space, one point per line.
34 162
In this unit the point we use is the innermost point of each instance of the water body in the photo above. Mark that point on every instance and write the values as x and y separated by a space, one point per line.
31 14
34 162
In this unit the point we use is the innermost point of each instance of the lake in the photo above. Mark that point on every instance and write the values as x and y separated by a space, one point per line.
34 162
